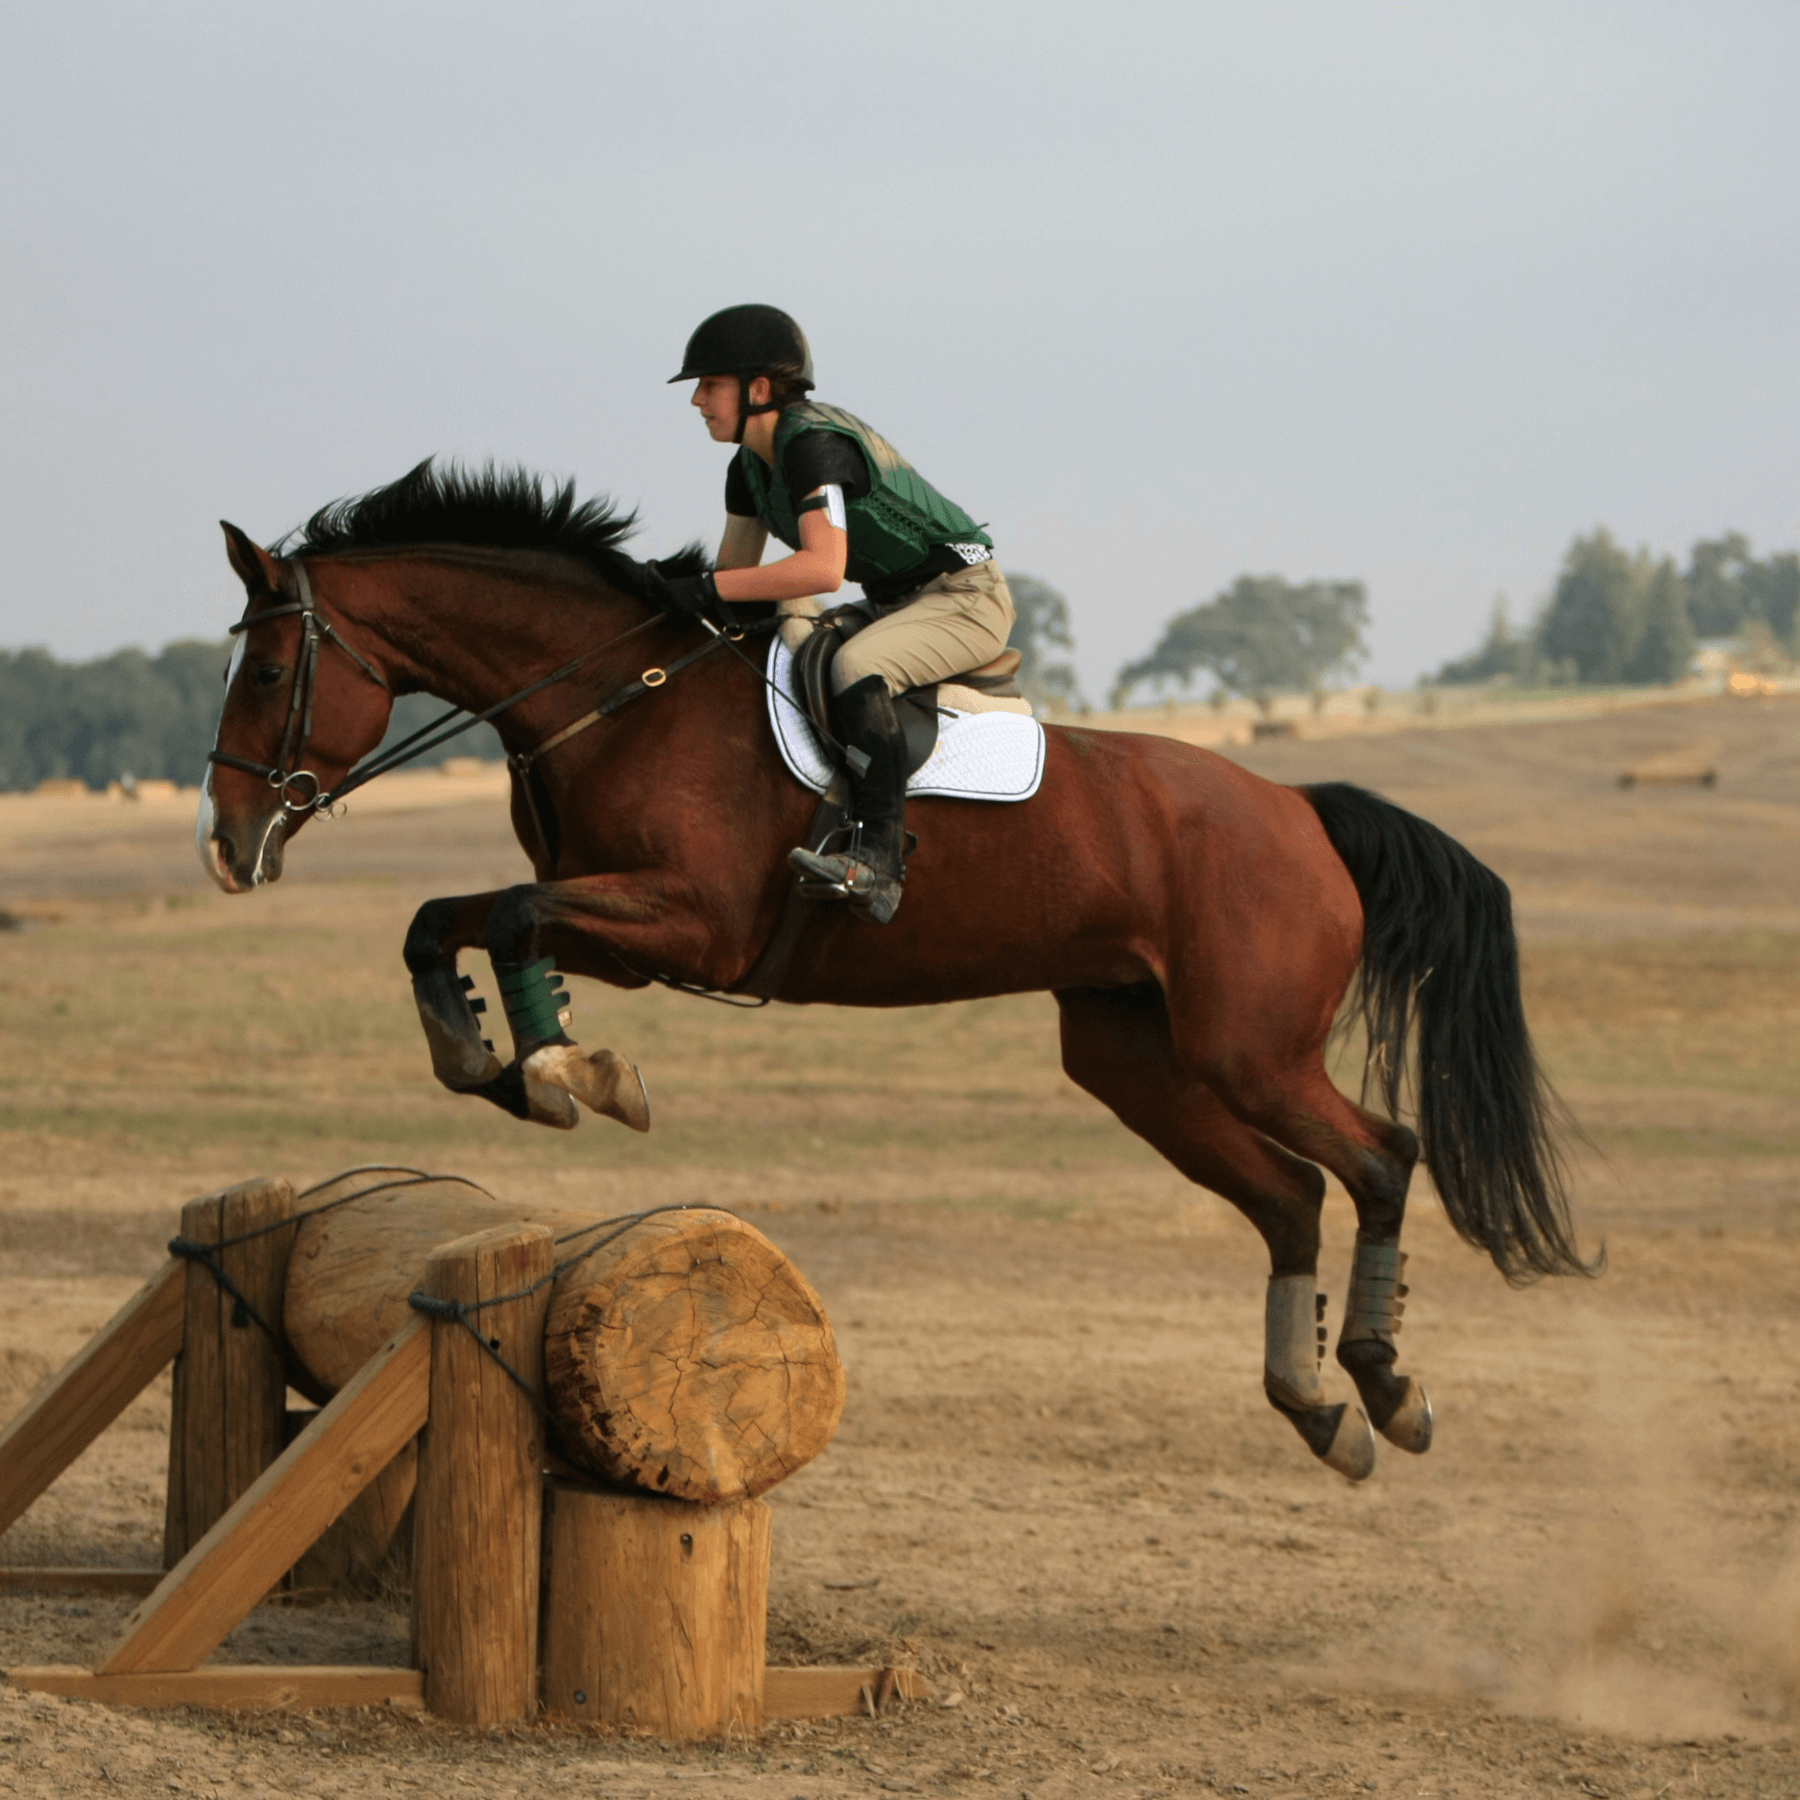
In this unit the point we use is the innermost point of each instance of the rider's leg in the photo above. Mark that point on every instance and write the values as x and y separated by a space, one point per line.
871 872
954 623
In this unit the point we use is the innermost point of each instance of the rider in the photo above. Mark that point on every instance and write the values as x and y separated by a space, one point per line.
847 504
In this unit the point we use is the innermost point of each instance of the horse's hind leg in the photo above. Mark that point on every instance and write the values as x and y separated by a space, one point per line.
1116 1043
1374 1159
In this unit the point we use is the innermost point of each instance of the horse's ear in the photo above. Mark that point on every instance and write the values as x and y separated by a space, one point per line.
256 568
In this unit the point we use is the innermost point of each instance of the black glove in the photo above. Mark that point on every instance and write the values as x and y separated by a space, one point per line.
687 596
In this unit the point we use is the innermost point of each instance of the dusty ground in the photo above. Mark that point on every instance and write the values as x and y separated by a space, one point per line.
1057 1485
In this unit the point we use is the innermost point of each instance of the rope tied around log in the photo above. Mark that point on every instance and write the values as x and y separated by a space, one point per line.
210 1256
243 1314
461 1312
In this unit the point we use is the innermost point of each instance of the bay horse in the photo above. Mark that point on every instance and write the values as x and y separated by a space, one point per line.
1199 927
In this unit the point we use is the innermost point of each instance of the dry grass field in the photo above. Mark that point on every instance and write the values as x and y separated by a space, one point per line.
1057 1486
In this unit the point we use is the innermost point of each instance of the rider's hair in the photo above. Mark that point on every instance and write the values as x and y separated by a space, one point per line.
785 385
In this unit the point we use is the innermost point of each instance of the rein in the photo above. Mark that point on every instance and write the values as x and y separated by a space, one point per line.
287 776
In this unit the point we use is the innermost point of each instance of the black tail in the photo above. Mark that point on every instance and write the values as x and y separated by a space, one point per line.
1439 953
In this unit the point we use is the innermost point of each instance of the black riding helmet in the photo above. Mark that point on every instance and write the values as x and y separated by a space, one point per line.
747 341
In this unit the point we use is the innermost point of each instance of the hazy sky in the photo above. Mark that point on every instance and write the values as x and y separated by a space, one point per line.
1164 293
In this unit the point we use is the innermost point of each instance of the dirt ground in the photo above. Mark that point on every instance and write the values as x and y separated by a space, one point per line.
1057 1488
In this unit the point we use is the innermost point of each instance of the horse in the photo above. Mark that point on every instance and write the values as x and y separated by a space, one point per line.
1202 929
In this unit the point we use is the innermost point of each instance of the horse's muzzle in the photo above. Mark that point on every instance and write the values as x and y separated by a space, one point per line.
241 856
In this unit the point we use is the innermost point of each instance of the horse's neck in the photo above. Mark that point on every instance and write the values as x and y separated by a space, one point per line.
471 631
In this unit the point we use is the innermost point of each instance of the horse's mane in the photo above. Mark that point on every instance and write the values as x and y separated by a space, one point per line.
490 509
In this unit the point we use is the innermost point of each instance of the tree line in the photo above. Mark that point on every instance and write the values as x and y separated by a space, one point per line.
144 716
1627 617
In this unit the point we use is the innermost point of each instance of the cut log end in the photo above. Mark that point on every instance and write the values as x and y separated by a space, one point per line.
689 1357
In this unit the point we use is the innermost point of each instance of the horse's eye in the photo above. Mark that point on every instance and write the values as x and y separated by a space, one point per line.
268 674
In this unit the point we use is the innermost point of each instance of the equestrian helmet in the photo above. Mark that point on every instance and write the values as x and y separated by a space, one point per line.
746 341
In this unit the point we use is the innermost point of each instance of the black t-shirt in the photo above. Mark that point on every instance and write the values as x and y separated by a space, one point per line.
813 459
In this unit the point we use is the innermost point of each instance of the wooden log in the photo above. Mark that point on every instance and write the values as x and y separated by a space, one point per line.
657 1612
202 1599
353 1268
72 1409
478 1512
229 1687
685 1354
226 1419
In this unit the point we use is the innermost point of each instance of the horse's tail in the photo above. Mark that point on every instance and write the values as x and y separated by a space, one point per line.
1439 954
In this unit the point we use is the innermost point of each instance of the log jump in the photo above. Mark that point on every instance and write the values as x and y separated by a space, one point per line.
492 1381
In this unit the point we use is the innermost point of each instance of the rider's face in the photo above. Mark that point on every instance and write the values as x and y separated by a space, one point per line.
717 398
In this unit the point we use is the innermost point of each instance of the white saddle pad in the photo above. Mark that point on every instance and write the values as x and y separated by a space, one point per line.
979 756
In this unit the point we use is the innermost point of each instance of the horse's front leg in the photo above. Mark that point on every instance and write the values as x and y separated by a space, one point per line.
614 926
461 1058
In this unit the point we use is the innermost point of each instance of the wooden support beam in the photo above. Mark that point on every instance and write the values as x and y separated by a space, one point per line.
207 1593
80 1581
835 1691
478 1509
228 1686
657 1612
226 1422
70 1411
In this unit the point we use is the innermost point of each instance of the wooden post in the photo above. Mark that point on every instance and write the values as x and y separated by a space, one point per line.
478 1509
227 1418
657 1612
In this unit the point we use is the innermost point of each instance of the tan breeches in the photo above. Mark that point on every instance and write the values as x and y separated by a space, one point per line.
954 623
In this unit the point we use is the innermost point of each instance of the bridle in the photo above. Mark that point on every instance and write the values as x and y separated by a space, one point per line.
285 773
303 794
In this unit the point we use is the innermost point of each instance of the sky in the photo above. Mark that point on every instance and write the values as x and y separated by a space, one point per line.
1405 293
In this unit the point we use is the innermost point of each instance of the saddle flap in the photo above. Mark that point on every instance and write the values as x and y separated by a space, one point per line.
917 710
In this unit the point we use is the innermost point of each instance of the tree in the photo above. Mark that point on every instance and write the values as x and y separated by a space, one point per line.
1715 585
1260 637
1042 624
1665 644
1506 656
1595 618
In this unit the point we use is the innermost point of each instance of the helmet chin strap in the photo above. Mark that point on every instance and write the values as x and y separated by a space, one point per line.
745 409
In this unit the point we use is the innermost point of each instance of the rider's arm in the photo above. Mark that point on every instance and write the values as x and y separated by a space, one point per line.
817 567
742 545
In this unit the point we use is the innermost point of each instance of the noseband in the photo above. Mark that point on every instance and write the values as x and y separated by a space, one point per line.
300 789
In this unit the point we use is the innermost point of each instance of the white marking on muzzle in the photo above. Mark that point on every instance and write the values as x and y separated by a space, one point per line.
272 834
206 822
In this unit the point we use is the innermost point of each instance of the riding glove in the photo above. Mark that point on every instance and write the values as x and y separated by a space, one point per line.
691 596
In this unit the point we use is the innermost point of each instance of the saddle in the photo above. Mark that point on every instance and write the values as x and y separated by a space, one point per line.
917 707
918 711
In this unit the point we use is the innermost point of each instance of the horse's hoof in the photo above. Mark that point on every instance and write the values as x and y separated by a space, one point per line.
1410 1426
604 1082
1339 1436
1352 1448
550 1106
535 1102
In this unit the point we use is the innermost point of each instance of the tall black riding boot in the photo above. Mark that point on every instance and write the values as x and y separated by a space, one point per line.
870 871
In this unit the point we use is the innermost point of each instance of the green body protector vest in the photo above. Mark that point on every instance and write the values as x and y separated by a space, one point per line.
892 528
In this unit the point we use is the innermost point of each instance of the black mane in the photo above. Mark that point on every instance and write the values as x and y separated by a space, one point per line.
489 509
